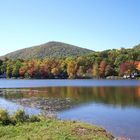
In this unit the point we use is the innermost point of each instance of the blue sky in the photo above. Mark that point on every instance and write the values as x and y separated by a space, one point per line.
93 24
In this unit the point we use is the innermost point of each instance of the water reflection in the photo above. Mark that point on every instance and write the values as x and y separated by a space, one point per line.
113 96
115 108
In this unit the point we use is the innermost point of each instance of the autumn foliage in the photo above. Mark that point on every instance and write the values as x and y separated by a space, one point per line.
96 65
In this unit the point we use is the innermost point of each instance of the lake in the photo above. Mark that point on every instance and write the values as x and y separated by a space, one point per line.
112 104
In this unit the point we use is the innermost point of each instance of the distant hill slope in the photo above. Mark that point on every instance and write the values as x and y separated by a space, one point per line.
137 47
48 50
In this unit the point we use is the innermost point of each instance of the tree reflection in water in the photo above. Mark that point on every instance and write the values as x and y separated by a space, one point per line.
114 96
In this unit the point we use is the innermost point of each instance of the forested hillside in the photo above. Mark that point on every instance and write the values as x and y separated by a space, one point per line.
48 50
93 65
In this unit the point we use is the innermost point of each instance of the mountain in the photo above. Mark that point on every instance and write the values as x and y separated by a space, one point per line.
48 50
137 47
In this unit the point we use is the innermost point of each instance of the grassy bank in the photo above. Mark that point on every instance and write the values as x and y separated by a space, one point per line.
53 130
20 126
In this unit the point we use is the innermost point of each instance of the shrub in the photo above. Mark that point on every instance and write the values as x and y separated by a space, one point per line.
4 117
34 118
20 116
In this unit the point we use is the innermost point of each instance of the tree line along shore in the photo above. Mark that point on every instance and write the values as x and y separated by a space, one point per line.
116 63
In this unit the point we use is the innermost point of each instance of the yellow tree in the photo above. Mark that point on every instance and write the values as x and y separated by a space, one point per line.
72 69
95 70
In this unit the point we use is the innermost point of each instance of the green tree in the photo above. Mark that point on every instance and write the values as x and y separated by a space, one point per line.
16 67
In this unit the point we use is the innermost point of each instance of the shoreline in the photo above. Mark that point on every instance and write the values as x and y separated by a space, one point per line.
55 129
20 125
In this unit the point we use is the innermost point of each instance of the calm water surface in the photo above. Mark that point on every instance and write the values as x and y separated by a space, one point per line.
114 105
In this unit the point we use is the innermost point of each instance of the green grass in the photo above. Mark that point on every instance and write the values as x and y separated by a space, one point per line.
21 126
52 129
